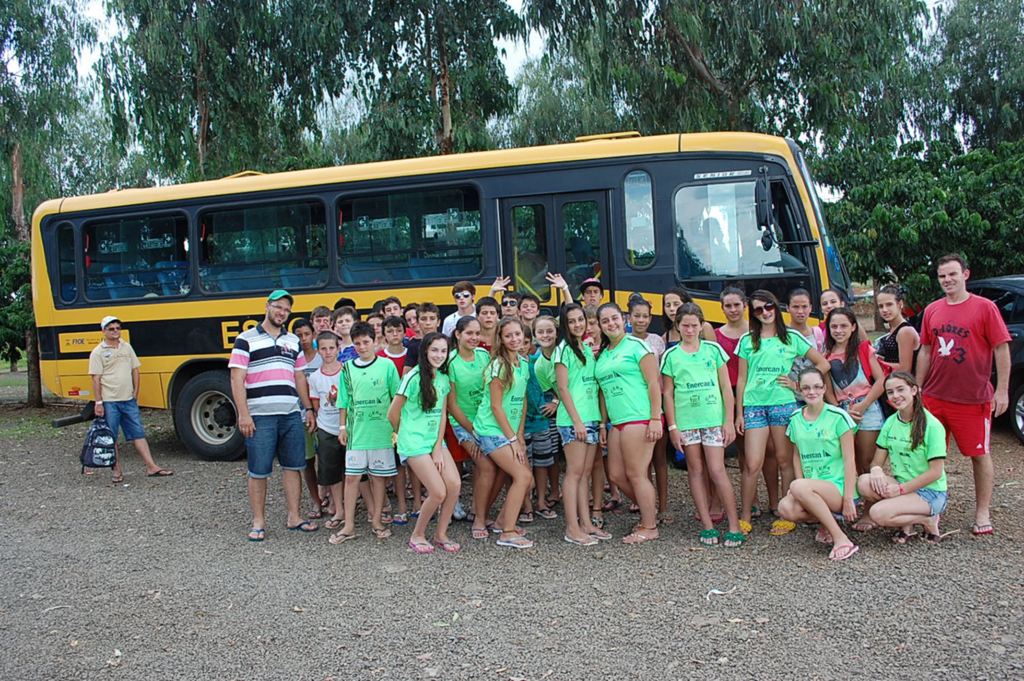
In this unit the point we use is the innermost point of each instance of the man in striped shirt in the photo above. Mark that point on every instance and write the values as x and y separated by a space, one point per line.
268 387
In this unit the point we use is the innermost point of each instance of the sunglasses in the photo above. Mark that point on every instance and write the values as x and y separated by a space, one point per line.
509 303
767 307
113 328
463 294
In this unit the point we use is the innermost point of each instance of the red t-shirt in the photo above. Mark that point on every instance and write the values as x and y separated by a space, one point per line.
399 360
729 345
962 338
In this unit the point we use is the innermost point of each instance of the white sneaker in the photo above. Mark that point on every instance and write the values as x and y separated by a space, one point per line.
459 513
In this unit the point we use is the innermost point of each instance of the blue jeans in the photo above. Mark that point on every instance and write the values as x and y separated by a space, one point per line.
489 443
568 433
936 499
126 416
280 435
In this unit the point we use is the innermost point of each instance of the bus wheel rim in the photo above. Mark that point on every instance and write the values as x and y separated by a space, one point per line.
205 423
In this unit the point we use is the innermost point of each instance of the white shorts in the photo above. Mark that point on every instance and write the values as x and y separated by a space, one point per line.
376 462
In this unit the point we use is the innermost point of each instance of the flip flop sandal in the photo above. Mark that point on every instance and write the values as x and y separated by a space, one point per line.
736 540
117 479
160 474
745 527
400 519
448 546
781 527
637 538
843 552
931 538
710 537
493 527
755 512
979 530
480 533
610 505
900 537
822 537
517 541
304 526
421 548
864 525
590 542
260 533
315 515
597 522
386 518
526 517
547 513
341 537
601 536
633 508
332 524
382 533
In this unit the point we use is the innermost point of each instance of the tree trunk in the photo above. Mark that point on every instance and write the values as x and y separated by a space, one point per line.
445 84
22 231
35 385
879 322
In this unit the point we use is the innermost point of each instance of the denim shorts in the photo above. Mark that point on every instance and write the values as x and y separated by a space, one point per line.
873 418
488 443
281 436
461 434
764 416
936 499
568 433
126 416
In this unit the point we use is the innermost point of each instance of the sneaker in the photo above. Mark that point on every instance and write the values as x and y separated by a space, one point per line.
459 513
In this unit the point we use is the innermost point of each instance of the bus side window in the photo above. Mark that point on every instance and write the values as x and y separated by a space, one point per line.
68 288
263 247
410 236
136 257
639 202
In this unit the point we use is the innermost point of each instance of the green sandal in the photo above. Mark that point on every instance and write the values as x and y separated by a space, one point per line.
737 538
710 537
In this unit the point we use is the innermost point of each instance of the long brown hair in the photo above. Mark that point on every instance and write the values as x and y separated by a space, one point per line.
428 393
502 355
755 322
852 345
918 419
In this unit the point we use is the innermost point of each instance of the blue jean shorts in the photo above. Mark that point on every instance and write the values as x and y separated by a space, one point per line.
280 435
936 499
124 415
764 416
489 443
568 433
873 418
461 434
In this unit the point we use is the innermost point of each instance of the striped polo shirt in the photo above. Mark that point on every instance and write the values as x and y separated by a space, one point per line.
270 365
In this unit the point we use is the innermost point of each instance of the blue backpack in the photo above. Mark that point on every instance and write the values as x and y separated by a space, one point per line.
98 450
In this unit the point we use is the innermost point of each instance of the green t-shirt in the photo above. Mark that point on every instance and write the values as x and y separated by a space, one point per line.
513 400
366 392
764 367
468 379
622 382
909 463
545 370
582 384
419 429
819 444
698 397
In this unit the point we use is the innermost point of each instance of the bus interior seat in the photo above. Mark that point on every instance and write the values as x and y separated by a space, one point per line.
171 274
244 279
301 277
118 284
68 292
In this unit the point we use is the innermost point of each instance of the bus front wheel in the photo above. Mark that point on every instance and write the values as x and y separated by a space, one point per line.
206 419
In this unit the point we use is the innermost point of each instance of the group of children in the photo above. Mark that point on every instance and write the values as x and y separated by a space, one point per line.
506 389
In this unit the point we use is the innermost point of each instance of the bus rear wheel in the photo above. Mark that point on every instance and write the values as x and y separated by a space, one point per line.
206 420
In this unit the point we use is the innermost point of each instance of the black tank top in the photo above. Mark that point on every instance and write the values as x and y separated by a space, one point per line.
889 349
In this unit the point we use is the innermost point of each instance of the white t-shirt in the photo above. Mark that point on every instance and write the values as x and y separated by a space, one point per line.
324 389
451 320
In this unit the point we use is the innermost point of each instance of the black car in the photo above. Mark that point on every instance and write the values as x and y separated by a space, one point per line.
1008 295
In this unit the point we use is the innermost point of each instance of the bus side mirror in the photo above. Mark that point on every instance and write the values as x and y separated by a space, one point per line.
763 201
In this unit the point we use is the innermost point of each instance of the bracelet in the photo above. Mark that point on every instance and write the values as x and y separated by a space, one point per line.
673 427
901 488
99 402
343 427
514 439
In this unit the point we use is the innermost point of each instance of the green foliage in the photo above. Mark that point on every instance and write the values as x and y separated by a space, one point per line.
217 86
16 305
974 73
904 207
829 71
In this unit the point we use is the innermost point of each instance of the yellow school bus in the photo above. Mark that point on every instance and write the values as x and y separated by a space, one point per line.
188 267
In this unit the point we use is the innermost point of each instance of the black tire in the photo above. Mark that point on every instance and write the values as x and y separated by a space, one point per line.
1016 412
205 418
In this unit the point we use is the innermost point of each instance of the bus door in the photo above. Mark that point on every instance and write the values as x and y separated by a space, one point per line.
562 233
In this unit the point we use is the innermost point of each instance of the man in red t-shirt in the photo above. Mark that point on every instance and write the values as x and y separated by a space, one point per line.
959 336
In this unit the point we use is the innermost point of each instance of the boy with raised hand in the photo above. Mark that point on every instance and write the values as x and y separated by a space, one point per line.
323 393
342 320
365 389
321 319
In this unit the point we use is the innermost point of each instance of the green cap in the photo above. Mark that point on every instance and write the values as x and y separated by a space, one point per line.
279 294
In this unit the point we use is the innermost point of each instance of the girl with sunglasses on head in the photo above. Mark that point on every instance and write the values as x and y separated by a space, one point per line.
764 403
627 373
499 426
915 443
825 483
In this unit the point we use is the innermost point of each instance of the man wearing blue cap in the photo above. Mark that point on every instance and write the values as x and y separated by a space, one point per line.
114 368
268 386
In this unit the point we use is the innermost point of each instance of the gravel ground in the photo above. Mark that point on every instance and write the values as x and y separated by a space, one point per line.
154 579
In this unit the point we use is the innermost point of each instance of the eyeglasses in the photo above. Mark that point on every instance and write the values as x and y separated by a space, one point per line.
282 308
463 294
767 307
509 303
